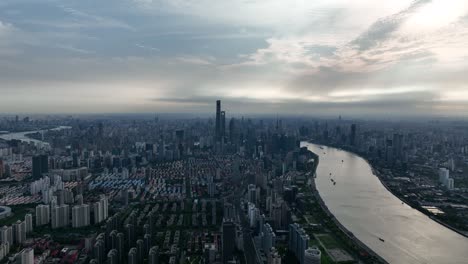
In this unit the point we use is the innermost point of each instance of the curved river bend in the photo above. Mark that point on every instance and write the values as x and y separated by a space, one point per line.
362 204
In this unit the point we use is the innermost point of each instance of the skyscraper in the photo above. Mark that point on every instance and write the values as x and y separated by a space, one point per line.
113 257
80 216
42 215
100 209
153 256
252 193
98 250
130 234
26 256
298 241
6 235
132 256
228 240
40 165
218 120
1 168
19 232
36 167
28 219
269 238
223 125
60 216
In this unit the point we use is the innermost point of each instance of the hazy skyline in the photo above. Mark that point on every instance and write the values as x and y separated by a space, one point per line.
363 57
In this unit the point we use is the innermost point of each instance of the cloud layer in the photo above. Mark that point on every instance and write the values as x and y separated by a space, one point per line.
363 57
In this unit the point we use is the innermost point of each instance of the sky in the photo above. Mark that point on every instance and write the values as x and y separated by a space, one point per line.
304 57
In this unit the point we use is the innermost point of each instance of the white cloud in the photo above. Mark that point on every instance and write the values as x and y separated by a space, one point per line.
85 19
325 52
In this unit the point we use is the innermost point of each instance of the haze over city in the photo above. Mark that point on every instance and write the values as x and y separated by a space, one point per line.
367 57
233 132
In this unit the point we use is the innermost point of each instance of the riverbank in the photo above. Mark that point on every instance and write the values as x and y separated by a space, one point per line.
25 135
425 212
343 229
379 176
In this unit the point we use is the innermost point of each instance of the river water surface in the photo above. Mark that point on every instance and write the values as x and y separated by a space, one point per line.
367 209
22 135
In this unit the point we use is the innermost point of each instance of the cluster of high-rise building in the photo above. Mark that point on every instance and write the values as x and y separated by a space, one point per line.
128 181
445 180
15 235
418 159
298 241
40 165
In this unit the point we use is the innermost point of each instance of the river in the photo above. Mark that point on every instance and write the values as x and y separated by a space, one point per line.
22 135
366 208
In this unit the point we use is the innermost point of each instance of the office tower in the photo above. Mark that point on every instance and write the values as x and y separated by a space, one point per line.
223 125
101 209
113 257
151 222
36 167
44 163
130 234
211 187
99 251
112 240
120 245
19 232
281 214
312 256
111 224
140 250
124 195
60 216
276 214
6 235
218 121
252 194
132 256
269 238
2 169
153 256
146 229
298 241
26 256
28 219
444 175
228 240
274 257
147 244
42 215
4 250
253 212
450 184
261 223
80 216
229 211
